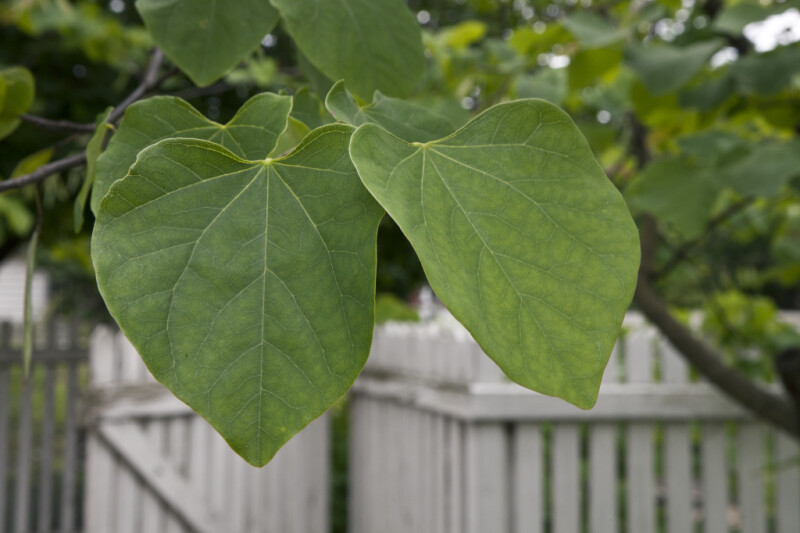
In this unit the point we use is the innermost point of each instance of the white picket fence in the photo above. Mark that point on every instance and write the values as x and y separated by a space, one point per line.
153 466
442 442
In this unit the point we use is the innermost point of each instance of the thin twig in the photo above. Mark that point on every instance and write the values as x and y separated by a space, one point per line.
57 125
148 83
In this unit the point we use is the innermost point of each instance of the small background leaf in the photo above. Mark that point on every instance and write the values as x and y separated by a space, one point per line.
207 38
664 68
17 91
371 44
404 119
93 151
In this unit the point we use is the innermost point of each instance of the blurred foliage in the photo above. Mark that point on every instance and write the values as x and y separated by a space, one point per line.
389 307
693 117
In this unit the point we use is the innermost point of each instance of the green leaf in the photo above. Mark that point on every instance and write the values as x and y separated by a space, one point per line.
733 19
709 93
372 44
93 151
389 307
520 234
764 170
19 218
31 162
295 132
678 193
207 38
17 90
587 67
318 81
247 287
664 68
591 30
547 83
464 34
710 146
309 109
404 119
251 134
768 73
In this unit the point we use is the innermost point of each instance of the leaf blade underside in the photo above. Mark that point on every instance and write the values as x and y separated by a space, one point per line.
251 134
247 287
521 235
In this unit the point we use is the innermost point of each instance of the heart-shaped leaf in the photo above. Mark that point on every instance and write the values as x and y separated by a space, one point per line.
372 44
404 119
247 287
521 235
207 38
252 134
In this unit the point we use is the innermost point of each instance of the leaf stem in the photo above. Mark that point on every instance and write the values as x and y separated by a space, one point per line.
27 337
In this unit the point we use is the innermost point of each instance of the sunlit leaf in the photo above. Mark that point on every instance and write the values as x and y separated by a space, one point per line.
251 134
17 90
246 286
31 162
463 34
295 132
521 235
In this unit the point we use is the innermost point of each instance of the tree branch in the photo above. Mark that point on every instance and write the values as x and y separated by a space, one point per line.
44 172
148 83
57 125
763 403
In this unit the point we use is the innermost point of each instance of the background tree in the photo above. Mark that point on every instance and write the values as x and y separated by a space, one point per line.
692 110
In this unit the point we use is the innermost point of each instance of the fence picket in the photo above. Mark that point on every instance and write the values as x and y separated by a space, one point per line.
787 490
44 502
69 473
456 477
152 508
713 452
566 478
487 483
528 473
750 470
677 452
640 501
4 438
24 459
602 494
